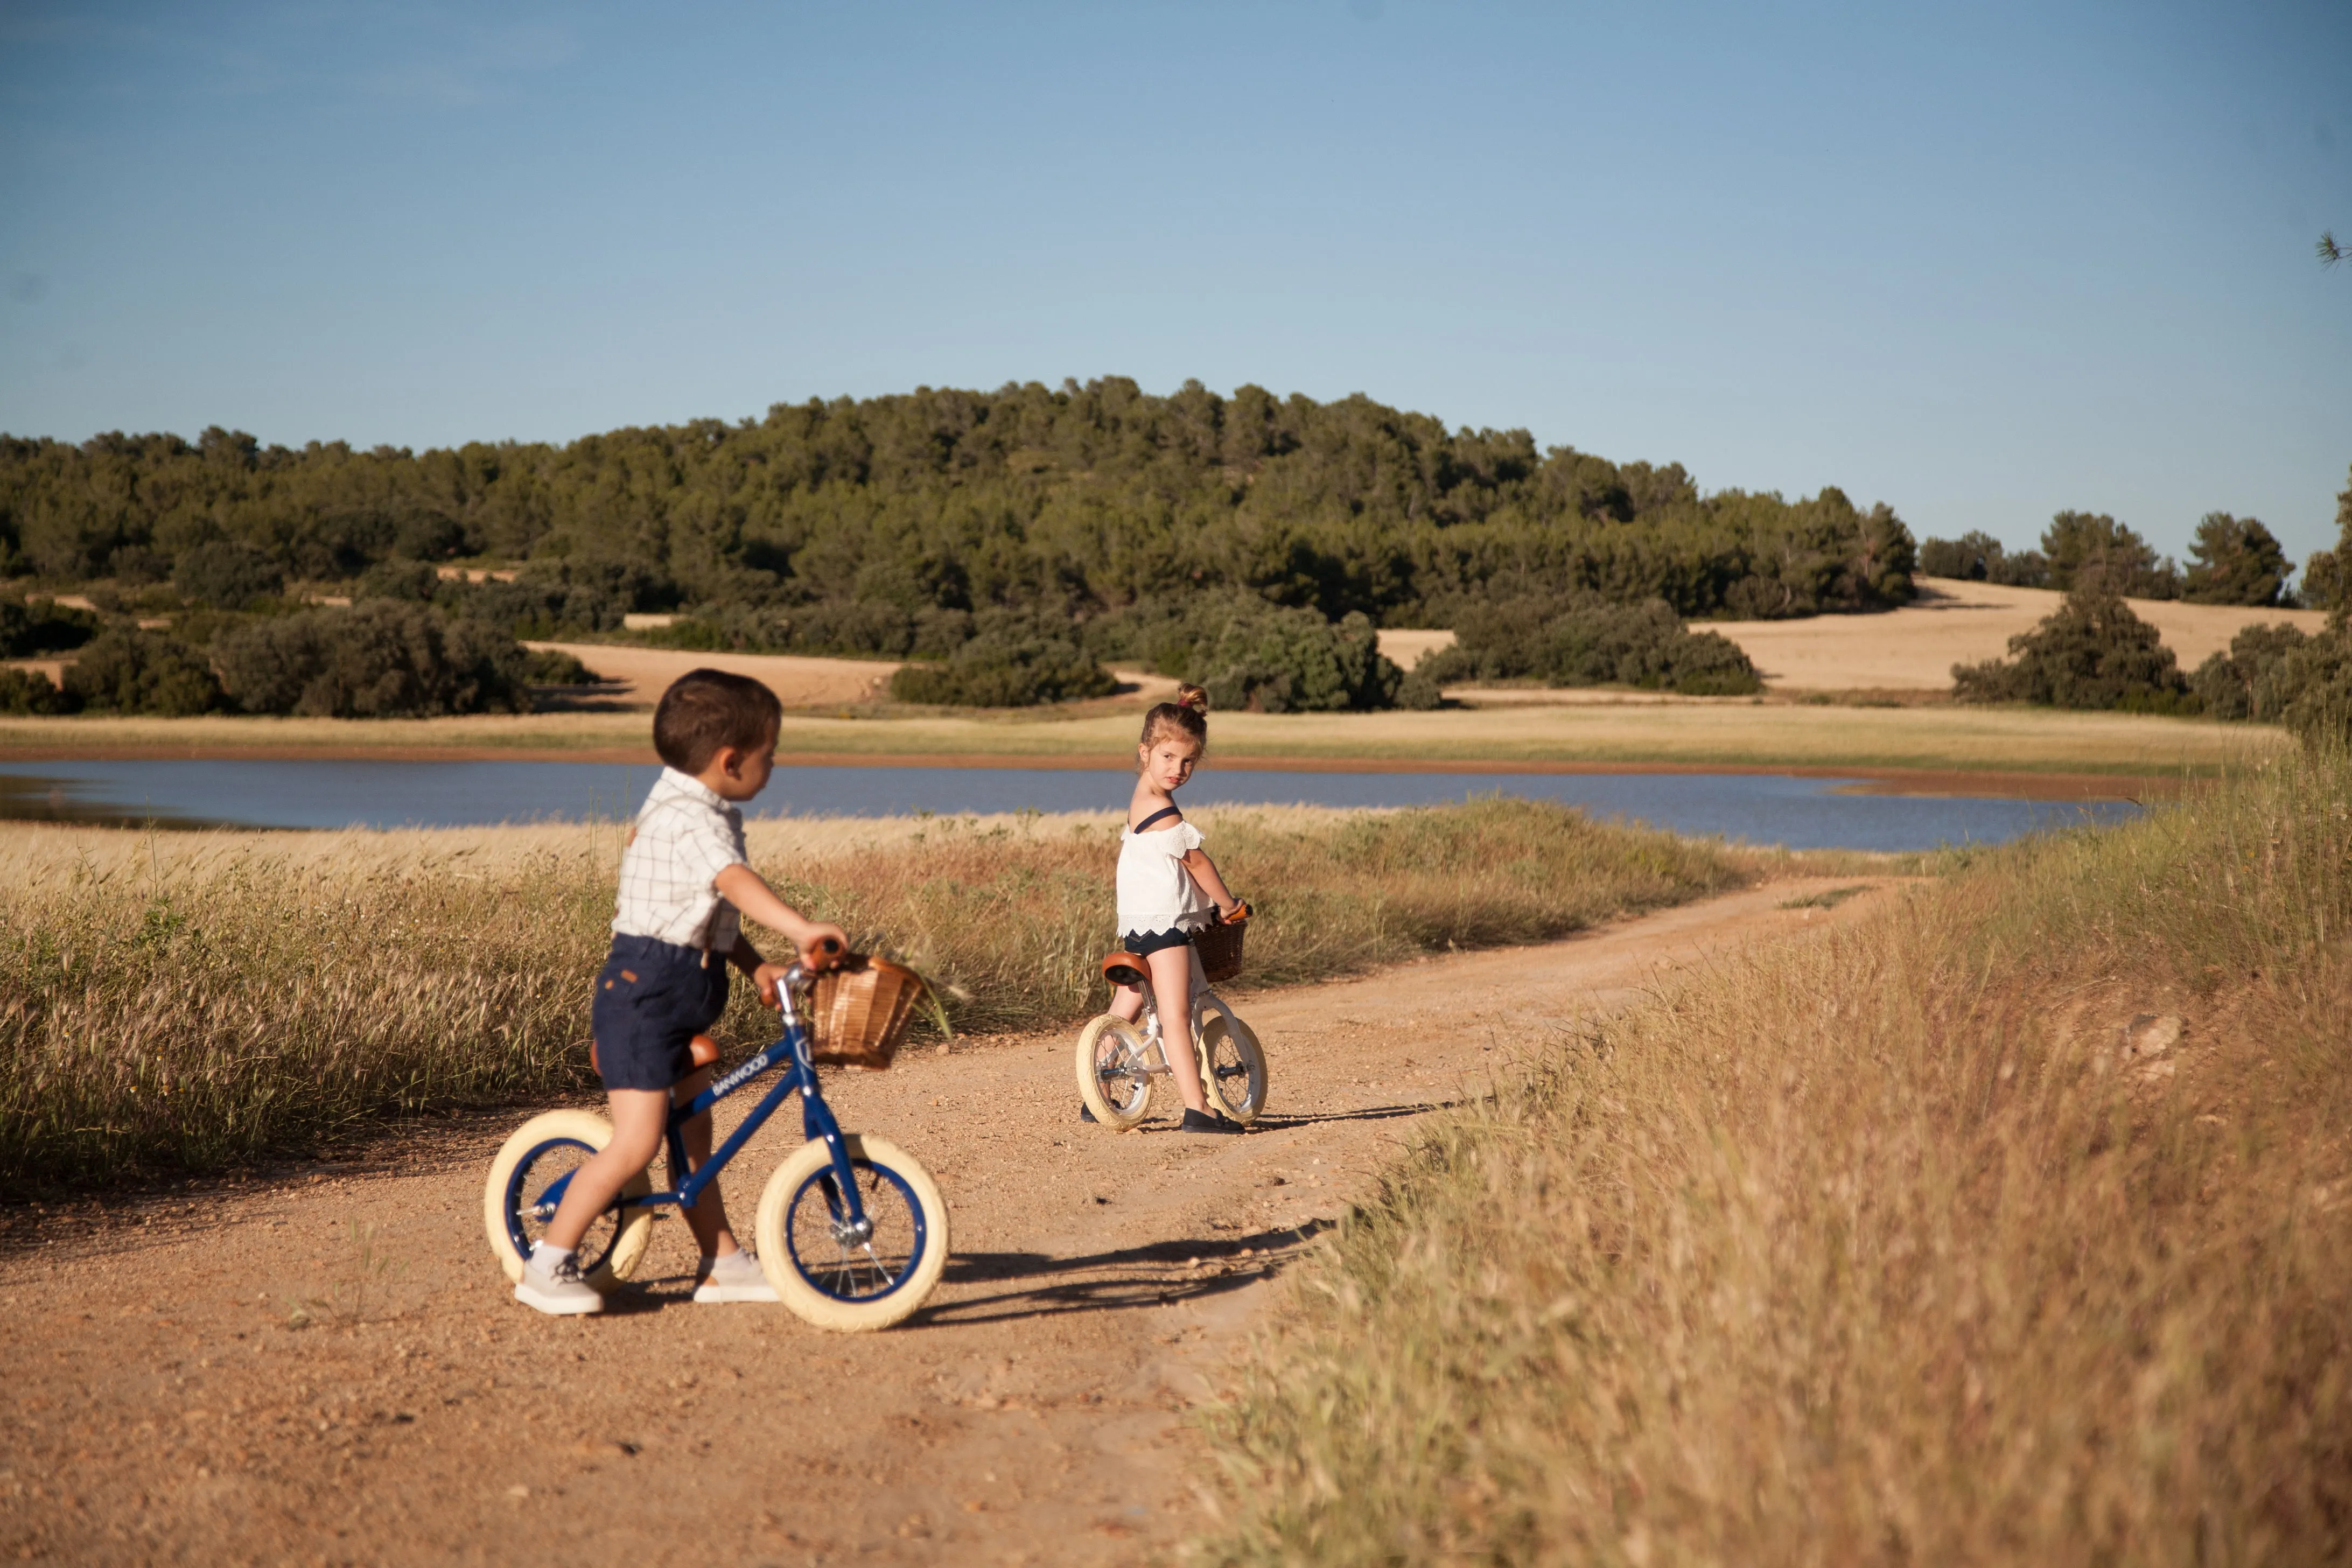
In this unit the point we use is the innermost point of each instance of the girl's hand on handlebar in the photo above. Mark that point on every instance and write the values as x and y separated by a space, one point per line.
1237 911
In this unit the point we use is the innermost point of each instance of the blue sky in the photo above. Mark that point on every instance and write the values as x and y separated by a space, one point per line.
1980 261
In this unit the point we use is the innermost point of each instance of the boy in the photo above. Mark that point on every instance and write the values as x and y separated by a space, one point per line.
684 877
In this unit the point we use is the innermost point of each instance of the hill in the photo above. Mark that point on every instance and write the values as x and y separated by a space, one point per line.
885 525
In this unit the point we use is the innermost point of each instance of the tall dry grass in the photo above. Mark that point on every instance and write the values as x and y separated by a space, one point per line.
1881 1248
188 1001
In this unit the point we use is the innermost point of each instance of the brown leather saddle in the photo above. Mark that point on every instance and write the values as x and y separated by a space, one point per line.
1124 969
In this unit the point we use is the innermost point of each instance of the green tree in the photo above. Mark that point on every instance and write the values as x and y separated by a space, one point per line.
29 691
30 627
2327 575
126 670
2246 681
2093 550
2235 560
380 658
227 576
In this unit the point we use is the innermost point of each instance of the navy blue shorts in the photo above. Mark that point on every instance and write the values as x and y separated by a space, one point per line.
1144 943
652 998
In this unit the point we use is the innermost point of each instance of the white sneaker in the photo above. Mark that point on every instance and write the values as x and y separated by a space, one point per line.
734 1278
558 1291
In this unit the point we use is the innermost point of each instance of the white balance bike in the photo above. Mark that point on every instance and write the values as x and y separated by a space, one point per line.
1119 1063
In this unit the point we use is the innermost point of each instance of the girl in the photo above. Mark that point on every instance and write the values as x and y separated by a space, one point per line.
1167 888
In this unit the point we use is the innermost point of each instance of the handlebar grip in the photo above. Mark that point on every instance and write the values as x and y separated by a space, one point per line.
829 946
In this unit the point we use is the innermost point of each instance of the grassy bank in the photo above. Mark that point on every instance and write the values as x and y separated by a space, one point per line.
187 1001
1728 734
1897 1247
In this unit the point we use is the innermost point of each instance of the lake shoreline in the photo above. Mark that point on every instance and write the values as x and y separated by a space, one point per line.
2001 785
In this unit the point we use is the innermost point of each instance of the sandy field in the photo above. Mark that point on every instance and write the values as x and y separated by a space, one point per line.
324 1366
1914 648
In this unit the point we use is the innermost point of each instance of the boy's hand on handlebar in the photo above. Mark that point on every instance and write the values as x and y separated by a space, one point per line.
767 977
822 946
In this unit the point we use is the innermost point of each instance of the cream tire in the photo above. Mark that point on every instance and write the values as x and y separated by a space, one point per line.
1242 1096
1109 1033
794 1288
632 1228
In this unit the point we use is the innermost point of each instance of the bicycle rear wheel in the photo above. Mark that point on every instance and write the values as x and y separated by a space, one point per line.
828 1274
517 1205
1115 1077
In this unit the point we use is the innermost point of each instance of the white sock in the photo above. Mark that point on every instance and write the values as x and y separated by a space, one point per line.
735 1259
544 1257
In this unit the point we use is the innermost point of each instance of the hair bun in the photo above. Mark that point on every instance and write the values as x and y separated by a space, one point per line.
1192 697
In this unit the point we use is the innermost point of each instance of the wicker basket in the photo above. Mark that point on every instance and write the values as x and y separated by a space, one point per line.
858 1012
1220 947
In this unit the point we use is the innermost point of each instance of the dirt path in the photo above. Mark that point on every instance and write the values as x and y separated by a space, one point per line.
160 1407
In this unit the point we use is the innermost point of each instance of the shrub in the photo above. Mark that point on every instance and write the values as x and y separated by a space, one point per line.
1589 641
1252 653
2090 652
1013 661
227 575
553 666
29 627
30 692
414 581
553 598
1275 659
127 670
381 658
2243 682
1420 687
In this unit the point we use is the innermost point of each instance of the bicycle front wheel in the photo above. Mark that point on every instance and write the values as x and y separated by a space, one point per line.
1233 1066
822 1267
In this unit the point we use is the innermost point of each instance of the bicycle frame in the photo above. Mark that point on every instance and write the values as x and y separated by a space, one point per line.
1154 1035
791 1052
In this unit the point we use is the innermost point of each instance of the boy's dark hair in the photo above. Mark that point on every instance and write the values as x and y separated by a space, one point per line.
706 709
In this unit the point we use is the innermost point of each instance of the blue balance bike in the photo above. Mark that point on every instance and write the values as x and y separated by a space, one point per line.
851 1231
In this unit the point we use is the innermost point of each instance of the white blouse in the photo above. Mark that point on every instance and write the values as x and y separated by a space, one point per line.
1156 892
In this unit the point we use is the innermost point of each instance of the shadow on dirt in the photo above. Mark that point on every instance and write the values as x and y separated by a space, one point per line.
1149 1276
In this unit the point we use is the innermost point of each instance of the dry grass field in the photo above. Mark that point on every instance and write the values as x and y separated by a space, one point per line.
2011 1225
189 1001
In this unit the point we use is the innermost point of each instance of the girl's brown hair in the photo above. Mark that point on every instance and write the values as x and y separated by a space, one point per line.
1189 713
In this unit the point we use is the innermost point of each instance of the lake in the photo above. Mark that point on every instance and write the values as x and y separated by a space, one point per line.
1757 808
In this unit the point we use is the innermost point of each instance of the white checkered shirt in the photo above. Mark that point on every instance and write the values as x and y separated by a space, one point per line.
686 835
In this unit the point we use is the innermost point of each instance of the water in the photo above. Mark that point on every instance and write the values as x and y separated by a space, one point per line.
1758 808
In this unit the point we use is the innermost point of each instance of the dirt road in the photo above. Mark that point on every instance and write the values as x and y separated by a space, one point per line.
327 1368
